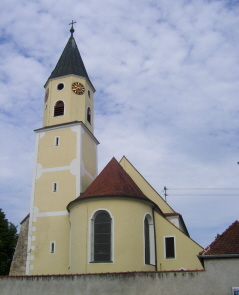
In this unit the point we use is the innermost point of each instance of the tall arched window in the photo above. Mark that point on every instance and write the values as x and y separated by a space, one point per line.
146 241
101 237
149 241
59 108
89 115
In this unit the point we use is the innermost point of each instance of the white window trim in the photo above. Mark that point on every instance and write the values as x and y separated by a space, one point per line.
175 254
151 238
52 243
57 140
55 185
234 289
91 237
58 84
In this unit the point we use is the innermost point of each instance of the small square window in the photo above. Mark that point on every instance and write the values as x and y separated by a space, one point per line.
235 290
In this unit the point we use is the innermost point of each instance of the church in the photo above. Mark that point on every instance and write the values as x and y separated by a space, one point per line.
82 221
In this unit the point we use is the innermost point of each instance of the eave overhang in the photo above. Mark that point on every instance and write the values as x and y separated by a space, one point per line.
114 197
216 256
67 125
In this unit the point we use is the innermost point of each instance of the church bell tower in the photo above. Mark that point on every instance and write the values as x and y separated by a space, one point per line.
65 160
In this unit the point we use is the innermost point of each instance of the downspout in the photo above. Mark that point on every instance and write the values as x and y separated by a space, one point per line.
155 243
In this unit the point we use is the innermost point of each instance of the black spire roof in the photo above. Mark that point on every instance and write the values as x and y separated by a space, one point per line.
70 62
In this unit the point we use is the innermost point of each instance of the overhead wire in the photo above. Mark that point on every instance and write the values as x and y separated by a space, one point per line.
167 193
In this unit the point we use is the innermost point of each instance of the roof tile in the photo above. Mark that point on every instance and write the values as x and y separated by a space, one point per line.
226 243
113 181
70 62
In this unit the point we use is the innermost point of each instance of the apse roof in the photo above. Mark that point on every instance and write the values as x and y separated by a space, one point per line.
226 243
113 181
70 62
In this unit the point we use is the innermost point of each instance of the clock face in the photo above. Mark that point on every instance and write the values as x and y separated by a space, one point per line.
46 94
78 88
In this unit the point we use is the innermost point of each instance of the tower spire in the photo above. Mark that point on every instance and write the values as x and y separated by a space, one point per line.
72 29
70 61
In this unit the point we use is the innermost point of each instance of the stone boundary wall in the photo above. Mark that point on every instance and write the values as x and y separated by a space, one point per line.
216 280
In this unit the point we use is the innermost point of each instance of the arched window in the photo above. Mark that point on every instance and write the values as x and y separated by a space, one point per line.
146 241
101 237
89 115
149 241
59 108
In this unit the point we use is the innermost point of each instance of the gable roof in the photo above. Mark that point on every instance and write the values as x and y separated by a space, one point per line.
183 225
145 186
226 243
70 62
113 181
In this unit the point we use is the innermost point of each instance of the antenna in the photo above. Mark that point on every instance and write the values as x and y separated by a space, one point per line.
165 194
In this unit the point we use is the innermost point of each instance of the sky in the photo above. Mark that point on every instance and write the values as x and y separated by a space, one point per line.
166 75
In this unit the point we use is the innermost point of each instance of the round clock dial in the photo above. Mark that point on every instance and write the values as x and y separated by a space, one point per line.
78 88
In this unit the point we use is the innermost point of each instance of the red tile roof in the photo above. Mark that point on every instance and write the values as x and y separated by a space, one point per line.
113 181
226 243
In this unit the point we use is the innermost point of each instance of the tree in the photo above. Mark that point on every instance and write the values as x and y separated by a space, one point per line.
8 241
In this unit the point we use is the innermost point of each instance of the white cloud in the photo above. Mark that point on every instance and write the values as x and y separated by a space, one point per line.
166 76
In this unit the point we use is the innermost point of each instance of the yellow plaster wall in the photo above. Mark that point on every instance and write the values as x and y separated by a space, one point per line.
50 155
75 105
56 229
86 181
145 187
89 155
186 249
128 236
89 158
46 200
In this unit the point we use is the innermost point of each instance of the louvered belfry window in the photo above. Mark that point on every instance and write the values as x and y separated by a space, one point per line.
59 109
102 237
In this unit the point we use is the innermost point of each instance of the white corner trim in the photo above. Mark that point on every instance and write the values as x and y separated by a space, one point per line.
42 134
75 128
38 170
74 167
56 169
84 171
54 213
